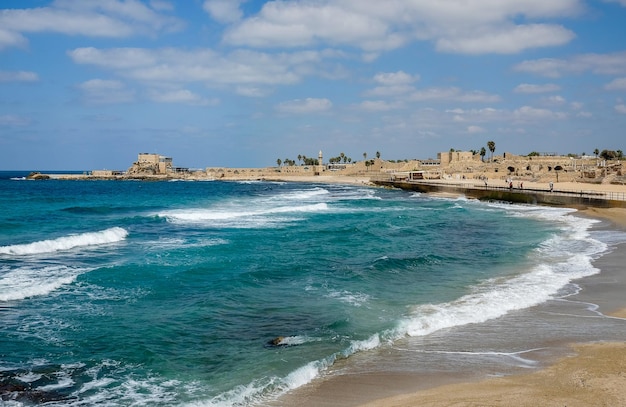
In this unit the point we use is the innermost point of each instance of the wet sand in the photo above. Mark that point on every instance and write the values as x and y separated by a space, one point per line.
595 376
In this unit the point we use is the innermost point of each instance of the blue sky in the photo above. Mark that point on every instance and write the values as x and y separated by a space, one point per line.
88 84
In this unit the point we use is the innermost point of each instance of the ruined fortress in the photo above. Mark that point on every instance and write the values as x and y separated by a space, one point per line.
448 165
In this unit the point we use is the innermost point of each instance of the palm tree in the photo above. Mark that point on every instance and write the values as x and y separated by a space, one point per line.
364 156
279 162
596 152
482 154
378 154
492 147
299 157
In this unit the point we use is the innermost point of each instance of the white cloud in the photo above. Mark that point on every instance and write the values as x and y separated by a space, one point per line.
18 76
392 84
378 106
101 91
251 91
180 96
453 94
616 84
395 78
621 108
532 88
475 129
161 5
224 11
484 115
111 18
554 100
528 113
603 64
507 40
476 27
239 68
11 39
308 105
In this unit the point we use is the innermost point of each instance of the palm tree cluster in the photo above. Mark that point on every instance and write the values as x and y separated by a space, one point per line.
340 158
609 154
304 160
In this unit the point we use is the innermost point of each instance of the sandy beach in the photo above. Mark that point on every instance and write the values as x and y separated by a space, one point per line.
595 376
589 374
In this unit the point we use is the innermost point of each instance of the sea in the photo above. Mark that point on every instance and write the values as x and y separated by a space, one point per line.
214 293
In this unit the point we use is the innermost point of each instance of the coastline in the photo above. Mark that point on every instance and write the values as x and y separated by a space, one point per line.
589 374
583 373
592 375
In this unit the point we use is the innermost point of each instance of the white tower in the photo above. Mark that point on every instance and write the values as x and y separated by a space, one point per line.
320 159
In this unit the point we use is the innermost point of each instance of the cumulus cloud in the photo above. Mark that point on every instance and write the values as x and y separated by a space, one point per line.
392 84
240 67
395 78
554 100
603 64
184 96
533 88
378 106
477 27
507 40
102 91
18 76
528 113
223 11
475 129
112 18
11 39
308 105
484 115
453 94
616 84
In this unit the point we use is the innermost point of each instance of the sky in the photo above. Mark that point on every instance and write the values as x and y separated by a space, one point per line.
89 84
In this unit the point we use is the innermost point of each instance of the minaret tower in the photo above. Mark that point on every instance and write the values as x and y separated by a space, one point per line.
320 159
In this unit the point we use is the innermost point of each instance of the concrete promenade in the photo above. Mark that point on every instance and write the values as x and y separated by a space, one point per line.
532 195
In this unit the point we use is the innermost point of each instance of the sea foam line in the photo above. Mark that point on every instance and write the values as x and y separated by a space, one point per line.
112 235
25 282
492 299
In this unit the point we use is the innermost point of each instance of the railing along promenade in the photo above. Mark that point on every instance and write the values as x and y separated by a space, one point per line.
556 197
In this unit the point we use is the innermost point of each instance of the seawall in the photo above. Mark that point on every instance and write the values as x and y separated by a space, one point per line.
515 195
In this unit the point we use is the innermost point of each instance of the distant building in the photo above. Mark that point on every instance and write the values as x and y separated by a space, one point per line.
162 164
454 156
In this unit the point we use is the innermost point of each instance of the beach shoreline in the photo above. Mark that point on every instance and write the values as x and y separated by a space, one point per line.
575 374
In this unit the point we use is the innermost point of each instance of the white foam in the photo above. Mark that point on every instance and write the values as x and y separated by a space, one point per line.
359 346
298 340
553 266
242 216
303 195
25 282
355 299
112 235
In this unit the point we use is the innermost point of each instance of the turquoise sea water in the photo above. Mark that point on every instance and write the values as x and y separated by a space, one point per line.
167 293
